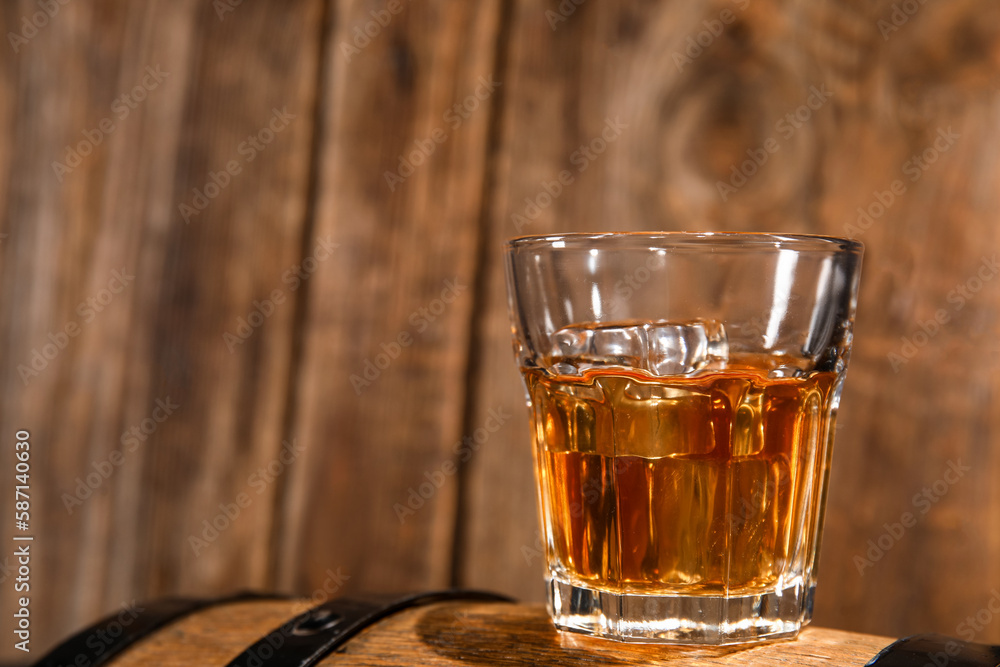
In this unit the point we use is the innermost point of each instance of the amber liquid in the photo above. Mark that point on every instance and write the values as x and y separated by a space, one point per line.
706 485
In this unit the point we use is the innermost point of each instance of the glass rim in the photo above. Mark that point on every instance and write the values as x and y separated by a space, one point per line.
688 240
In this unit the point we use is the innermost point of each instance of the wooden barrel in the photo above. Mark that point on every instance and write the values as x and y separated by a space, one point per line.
259 631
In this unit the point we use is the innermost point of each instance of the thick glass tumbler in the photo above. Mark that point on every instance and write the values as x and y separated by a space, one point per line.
683 389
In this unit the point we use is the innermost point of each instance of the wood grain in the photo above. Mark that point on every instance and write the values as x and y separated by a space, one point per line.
480 634
369 451
160 337
503 634
380 395
555 101
905 423
689 127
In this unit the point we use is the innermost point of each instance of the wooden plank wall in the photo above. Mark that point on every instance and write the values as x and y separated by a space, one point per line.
307 232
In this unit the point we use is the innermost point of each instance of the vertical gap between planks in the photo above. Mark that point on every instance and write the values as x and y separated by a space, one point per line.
480 280
325 25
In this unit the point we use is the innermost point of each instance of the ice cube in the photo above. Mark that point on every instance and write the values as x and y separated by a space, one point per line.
568 345
572 341
622 346
660 348
679 348
786 371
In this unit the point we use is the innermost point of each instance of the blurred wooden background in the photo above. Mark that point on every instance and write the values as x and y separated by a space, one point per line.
305 203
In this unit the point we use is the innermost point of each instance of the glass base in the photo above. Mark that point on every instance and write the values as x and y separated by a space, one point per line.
681 619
